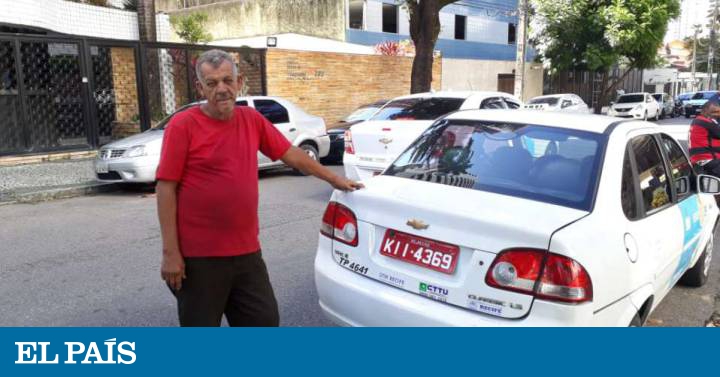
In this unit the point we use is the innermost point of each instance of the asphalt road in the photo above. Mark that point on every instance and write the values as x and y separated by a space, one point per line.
93 261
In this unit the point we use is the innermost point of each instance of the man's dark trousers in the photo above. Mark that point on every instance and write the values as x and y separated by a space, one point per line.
238 287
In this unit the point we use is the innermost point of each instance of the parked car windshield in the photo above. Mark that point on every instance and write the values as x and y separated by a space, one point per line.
363 113
552 101
684 97
418 108
163 123
704 95
547 164
631 98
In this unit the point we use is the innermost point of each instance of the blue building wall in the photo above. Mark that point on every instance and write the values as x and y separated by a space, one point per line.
453 49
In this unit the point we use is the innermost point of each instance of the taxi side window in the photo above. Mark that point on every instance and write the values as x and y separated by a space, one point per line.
679 165
628 197
651 174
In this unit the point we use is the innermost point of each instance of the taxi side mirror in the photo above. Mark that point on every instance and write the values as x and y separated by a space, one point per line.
682 185
707 184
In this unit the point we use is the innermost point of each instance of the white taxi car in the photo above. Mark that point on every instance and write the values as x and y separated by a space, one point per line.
519 219
135 159
372 145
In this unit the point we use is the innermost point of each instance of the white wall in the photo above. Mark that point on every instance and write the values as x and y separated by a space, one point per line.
77 19
447 26
466 74
299 42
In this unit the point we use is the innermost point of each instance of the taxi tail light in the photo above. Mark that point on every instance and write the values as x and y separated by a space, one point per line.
545 275
339 223
349 147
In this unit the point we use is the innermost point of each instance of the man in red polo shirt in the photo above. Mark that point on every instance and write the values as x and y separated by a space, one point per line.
207 195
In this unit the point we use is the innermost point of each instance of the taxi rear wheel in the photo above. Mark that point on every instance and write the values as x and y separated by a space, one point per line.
698 275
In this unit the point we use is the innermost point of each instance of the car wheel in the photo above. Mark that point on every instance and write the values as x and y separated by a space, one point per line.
698 275
312 152
636 321
657 116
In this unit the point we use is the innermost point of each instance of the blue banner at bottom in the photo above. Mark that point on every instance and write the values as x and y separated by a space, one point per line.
341 352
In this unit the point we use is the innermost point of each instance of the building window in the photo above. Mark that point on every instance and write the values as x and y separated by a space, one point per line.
460 26
390 18
511 34
357 10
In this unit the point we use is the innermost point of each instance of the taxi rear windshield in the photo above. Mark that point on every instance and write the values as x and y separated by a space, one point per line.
418 108
553 165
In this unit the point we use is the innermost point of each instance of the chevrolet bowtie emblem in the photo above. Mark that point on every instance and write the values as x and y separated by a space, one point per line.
385 141
417 224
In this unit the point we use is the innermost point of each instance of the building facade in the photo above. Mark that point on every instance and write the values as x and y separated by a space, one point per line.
477 37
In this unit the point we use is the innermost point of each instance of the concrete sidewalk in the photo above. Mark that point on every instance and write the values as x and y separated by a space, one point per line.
48 181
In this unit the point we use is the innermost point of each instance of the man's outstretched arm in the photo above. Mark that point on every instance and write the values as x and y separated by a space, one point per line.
298 159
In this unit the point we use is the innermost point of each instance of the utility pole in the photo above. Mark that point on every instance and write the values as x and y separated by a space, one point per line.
711 45
521 43
694 58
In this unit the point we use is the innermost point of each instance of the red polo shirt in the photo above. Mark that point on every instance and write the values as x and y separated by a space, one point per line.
216 165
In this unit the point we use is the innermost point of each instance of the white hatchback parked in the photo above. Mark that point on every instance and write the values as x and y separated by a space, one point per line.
372 145
524 219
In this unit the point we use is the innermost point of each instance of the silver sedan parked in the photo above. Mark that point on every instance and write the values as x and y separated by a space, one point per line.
135 159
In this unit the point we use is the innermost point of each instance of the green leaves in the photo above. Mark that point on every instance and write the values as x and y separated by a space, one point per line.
597 34
191 28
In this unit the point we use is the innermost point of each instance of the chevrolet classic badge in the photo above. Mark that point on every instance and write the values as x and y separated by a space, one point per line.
418 224
385 141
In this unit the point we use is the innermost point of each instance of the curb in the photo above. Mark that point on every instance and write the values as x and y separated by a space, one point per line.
39 196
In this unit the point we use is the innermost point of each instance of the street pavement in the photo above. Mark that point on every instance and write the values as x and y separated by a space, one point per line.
94 261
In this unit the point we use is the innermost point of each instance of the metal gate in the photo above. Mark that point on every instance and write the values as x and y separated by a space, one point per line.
80 93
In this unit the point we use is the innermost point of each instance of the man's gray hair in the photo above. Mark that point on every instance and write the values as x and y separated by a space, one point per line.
215 58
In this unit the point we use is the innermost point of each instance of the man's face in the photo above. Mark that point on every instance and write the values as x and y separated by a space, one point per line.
219 87
714 112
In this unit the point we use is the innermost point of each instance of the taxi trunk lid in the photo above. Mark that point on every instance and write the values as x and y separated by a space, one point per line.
480 224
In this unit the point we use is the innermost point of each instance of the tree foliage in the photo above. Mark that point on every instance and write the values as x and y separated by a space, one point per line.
596 35
191 28
703 45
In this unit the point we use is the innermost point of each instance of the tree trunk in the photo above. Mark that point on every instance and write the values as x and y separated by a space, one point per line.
424 31
422 69
607 90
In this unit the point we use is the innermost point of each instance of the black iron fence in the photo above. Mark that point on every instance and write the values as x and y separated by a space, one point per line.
588 85
80 93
